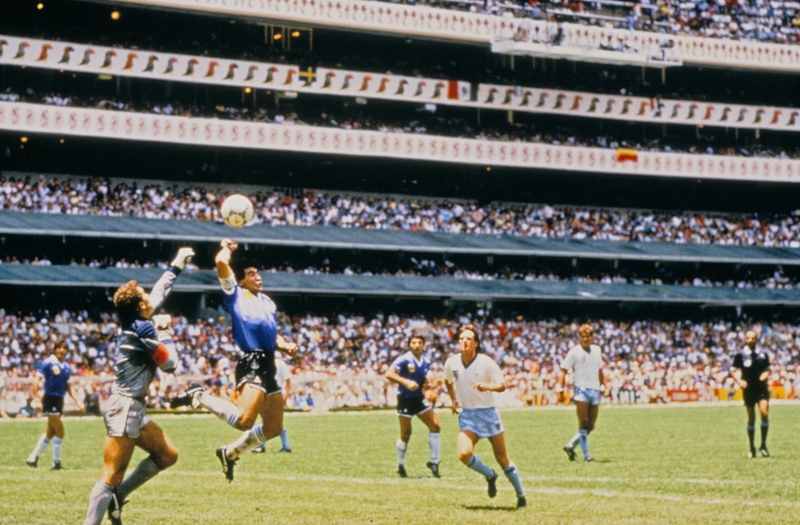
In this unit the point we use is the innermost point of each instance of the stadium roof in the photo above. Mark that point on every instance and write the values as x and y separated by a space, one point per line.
416 287
387 240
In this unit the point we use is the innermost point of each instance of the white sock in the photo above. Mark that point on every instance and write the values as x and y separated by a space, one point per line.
401 446
39 448
56 450
574 441
435 442
247 441
223 409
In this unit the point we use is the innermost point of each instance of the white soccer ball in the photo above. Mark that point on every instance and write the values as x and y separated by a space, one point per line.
236 211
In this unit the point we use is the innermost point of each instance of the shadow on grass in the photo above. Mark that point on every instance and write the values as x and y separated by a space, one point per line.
490 507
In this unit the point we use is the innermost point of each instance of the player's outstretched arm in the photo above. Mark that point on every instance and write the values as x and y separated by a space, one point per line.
223 258
283 345
78 403
163 286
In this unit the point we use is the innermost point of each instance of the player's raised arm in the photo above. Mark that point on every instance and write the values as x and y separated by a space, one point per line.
163 286
223 259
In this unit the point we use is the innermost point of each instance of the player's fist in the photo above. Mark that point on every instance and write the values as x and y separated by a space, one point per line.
412 385
162 322
230 244
454 406
183 257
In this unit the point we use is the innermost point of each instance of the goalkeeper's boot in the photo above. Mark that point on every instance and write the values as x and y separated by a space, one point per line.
115 509
227 464
187 397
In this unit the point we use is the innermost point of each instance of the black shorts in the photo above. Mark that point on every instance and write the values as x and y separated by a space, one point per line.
257 368
52 405
411 406
753 395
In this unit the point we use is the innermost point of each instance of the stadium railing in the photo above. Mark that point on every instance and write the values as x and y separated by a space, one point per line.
409 287
93 226
105 124
478 28
168 67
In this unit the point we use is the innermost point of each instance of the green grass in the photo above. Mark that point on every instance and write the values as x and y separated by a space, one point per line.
671 465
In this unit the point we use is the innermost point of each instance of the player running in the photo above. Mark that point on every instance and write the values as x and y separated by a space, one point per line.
586 361
255 332
55 373
409 372
471 378
142 346
750 369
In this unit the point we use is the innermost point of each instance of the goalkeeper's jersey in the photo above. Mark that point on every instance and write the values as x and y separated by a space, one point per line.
136 344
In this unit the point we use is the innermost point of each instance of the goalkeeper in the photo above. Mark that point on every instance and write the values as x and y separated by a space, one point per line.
142 346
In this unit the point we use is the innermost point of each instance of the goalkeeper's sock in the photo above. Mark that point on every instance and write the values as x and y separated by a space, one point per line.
98 503
146 470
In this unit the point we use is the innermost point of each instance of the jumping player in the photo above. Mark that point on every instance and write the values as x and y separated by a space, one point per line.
55 373
750 369
409 372
586 361
471 378
255 332
142 346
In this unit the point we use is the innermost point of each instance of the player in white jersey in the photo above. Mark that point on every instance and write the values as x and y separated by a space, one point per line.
586 362
282 374
471 379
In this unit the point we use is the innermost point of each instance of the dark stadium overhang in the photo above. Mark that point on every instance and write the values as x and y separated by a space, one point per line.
99 227
403 287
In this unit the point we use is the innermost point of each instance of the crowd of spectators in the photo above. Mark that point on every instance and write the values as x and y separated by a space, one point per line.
406 119
100 197
775 21
343 357
661 15
752 278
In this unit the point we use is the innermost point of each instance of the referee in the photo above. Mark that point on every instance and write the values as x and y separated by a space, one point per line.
55 373
751 369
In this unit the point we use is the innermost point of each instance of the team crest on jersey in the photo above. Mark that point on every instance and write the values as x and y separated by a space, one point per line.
455 374
56 370
411 368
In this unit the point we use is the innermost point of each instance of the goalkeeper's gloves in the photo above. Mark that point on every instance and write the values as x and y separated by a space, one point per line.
184 256
163 323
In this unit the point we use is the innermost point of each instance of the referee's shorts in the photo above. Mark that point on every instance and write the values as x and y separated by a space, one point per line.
257 368
753 395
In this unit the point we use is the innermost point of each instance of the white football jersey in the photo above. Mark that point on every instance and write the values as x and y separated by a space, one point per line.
483 370
281 373
585 366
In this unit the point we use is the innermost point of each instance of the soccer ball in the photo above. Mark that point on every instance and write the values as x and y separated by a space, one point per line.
237 210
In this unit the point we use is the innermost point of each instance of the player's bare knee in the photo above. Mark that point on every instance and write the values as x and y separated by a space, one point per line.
435 428
585 425
246 421
464 456
167 458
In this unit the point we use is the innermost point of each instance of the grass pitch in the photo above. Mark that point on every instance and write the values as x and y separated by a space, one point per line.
665 465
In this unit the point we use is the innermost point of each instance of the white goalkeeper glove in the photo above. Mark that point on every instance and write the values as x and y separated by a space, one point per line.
163 323
184 256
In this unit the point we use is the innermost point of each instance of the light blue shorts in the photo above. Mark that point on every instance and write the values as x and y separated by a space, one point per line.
483 422
587 395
